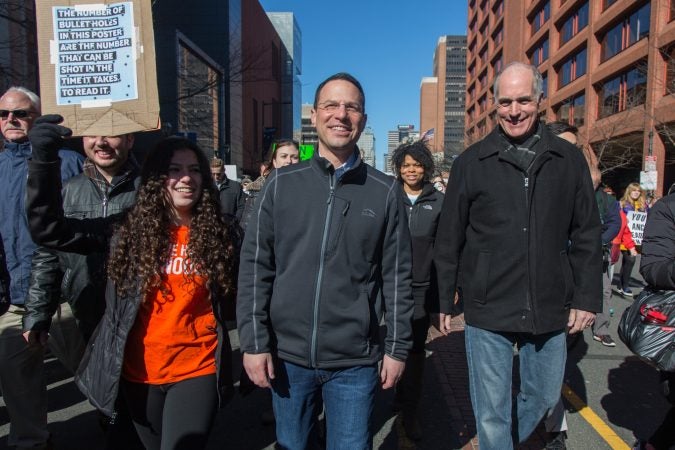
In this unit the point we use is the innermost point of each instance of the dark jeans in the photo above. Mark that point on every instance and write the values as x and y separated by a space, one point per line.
173 416
627 265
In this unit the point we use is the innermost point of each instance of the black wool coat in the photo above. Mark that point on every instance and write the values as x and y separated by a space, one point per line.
522 247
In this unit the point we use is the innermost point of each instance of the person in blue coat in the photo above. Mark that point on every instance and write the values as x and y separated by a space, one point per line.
21 373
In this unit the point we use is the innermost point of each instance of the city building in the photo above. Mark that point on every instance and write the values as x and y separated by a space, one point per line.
18 46
608 67
366 144
291 89
442 98
308 134
402 134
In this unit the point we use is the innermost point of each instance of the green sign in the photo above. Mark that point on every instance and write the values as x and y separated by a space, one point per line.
306 151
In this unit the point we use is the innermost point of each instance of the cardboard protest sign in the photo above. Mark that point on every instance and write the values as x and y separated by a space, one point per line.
636 225
97 65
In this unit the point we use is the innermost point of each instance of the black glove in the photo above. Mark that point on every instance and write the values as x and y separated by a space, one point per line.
46 137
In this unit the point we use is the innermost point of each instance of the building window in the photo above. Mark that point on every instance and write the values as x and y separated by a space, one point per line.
572 110
544 84
623 92
670 70
498 36
481 128
472 70
540 53
474 26
198 95
483 56
498 8
572 68
483 33
484 8
540 17
672 10
626 33
575 23
471 114
482 104
607 3
482 81
497 65
471 94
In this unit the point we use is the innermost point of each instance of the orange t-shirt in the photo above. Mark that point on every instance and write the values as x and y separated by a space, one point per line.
174 337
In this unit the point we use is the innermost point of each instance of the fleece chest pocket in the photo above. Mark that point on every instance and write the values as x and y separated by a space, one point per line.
339 215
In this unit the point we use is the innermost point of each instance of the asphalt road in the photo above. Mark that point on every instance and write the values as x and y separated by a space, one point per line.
621 393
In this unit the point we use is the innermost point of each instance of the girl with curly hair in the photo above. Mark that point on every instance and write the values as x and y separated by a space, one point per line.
171 272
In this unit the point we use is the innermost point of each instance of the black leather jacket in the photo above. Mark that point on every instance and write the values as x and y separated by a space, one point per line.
99 373
78 278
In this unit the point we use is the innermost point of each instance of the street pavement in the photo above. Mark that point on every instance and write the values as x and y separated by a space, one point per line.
615 398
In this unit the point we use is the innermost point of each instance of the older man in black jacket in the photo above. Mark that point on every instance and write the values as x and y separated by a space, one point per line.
519 239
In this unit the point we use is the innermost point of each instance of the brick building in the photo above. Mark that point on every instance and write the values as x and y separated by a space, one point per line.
608 67
442 97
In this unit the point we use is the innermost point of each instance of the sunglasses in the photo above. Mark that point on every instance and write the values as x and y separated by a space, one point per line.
17 113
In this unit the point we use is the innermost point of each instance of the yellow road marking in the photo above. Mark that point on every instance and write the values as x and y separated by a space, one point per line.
604 430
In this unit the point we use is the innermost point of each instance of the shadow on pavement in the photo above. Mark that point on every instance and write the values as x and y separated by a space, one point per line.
635 401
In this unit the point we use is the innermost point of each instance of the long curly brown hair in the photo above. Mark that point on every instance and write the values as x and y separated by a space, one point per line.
142 244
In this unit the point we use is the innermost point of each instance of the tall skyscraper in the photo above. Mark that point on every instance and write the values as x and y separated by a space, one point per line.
608 67
291 89
366 144
442 98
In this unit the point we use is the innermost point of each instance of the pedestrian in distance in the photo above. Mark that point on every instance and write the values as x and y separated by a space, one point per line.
282 152
518 240
230 193
413 166
633 201
161 341
312 294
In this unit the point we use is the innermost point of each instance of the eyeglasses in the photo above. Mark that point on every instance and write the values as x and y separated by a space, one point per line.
17 113
351 108
522 101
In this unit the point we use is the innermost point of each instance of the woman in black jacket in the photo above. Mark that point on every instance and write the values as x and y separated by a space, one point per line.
171 272
657 267
414 166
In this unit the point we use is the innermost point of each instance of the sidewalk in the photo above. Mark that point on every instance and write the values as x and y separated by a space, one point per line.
448 361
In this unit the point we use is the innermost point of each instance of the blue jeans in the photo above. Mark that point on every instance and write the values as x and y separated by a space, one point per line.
348 396
490 360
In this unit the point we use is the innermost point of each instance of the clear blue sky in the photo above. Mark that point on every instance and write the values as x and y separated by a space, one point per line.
387 44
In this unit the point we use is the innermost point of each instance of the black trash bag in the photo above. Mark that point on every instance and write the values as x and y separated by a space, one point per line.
647 327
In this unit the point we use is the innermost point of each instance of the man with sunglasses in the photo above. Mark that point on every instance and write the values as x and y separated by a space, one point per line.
518 239
21 366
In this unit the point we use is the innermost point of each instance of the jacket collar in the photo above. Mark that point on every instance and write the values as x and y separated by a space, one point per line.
493 143
327 168
18 149
427 194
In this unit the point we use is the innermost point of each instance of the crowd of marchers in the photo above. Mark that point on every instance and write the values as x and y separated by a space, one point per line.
128 272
